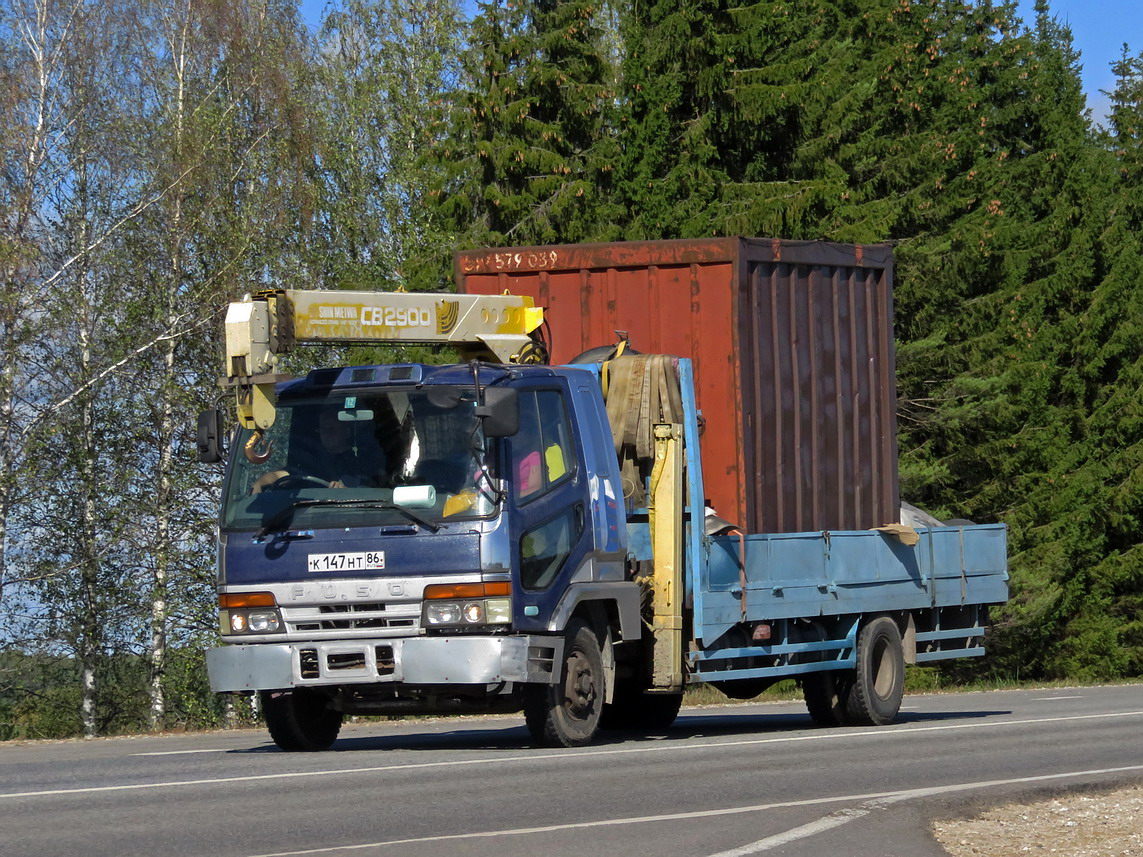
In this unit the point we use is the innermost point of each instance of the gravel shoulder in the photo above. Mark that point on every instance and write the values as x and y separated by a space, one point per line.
1078 824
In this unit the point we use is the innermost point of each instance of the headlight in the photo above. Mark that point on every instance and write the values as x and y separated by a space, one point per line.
442 612
264 622
489 611
461 605
473 612
231 623
498 611
249 613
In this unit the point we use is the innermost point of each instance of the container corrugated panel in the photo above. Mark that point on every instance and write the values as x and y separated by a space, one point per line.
792 348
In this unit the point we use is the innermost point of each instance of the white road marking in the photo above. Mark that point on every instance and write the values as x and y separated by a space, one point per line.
1053 698
844 816
656 747
183 752
829 822
872 801
554 828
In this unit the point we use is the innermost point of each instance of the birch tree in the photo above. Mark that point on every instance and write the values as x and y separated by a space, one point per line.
385 69
35 38
178 160
226 141
78 585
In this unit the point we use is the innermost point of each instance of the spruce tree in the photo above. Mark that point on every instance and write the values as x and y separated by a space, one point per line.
384 68
1104 631
531 147
951 131
1018 397
676 117
571 87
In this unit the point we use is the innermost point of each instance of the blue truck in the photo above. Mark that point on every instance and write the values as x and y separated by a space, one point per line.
482 537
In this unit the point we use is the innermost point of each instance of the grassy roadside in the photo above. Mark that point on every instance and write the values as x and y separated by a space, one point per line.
917 680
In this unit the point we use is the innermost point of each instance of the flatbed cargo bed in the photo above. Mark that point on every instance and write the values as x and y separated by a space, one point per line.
944 583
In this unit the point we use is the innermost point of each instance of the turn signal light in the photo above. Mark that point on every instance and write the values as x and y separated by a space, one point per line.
467 590
247 599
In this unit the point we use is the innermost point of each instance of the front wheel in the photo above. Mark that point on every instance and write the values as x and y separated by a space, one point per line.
879 683
300 720
567 714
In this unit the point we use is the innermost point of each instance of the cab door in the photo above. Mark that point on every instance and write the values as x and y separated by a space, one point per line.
548 491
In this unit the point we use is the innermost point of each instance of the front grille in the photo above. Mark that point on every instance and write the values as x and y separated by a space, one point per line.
364 617
352 608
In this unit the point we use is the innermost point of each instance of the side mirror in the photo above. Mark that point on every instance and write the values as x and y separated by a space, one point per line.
209 437
500 412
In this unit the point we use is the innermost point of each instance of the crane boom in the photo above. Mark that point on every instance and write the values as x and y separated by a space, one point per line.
271 323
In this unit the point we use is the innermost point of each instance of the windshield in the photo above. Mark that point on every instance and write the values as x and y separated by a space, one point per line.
349 460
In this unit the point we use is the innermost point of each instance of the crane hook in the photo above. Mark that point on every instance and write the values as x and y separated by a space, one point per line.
253 454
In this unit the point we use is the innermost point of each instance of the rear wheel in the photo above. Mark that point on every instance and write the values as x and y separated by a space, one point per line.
636 710
827 694
567 714
659 710
300 719
879 683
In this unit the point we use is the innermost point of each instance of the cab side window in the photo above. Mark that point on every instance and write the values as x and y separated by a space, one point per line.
544 549
542 448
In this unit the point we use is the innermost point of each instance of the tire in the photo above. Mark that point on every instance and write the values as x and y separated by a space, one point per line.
567 714
659 710
827 695
300 720
623 710
879 683
635 710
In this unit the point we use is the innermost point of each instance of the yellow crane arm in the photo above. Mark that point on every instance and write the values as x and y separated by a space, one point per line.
268 324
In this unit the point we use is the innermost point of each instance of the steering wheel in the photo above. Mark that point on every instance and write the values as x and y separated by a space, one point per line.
296 480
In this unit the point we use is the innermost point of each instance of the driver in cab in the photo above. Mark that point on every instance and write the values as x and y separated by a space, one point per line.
334 461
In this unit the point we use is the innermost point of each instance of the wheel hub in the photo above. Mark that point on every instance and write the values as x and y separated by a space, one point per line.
579 689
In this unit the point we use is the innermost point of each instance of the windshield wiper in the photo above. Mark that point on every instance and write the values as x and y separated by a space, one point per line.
412 516
284 515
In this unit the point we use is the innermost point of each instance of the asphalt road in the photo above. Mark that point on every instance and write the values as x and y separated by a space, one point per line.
738 780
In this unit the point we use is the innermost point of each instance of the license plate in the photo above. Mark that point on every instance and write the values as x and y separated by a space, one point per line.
364 561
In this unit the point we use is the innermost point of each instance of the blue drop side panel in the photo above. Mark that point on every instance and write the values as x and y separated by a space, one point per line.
792 575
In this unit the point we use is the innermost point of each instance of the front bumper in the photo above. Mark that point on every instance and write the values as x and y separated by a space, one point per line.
407 661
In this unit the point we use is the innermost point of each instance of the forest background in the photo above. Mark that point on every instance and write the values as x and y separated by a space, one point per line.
163 158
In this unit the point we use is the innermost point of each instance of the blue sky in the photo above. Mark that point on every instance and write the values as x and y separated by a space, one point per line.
1099 28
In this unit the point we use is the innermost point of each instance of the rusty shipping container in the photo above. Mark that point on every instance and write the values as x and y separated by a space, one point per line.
792 346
